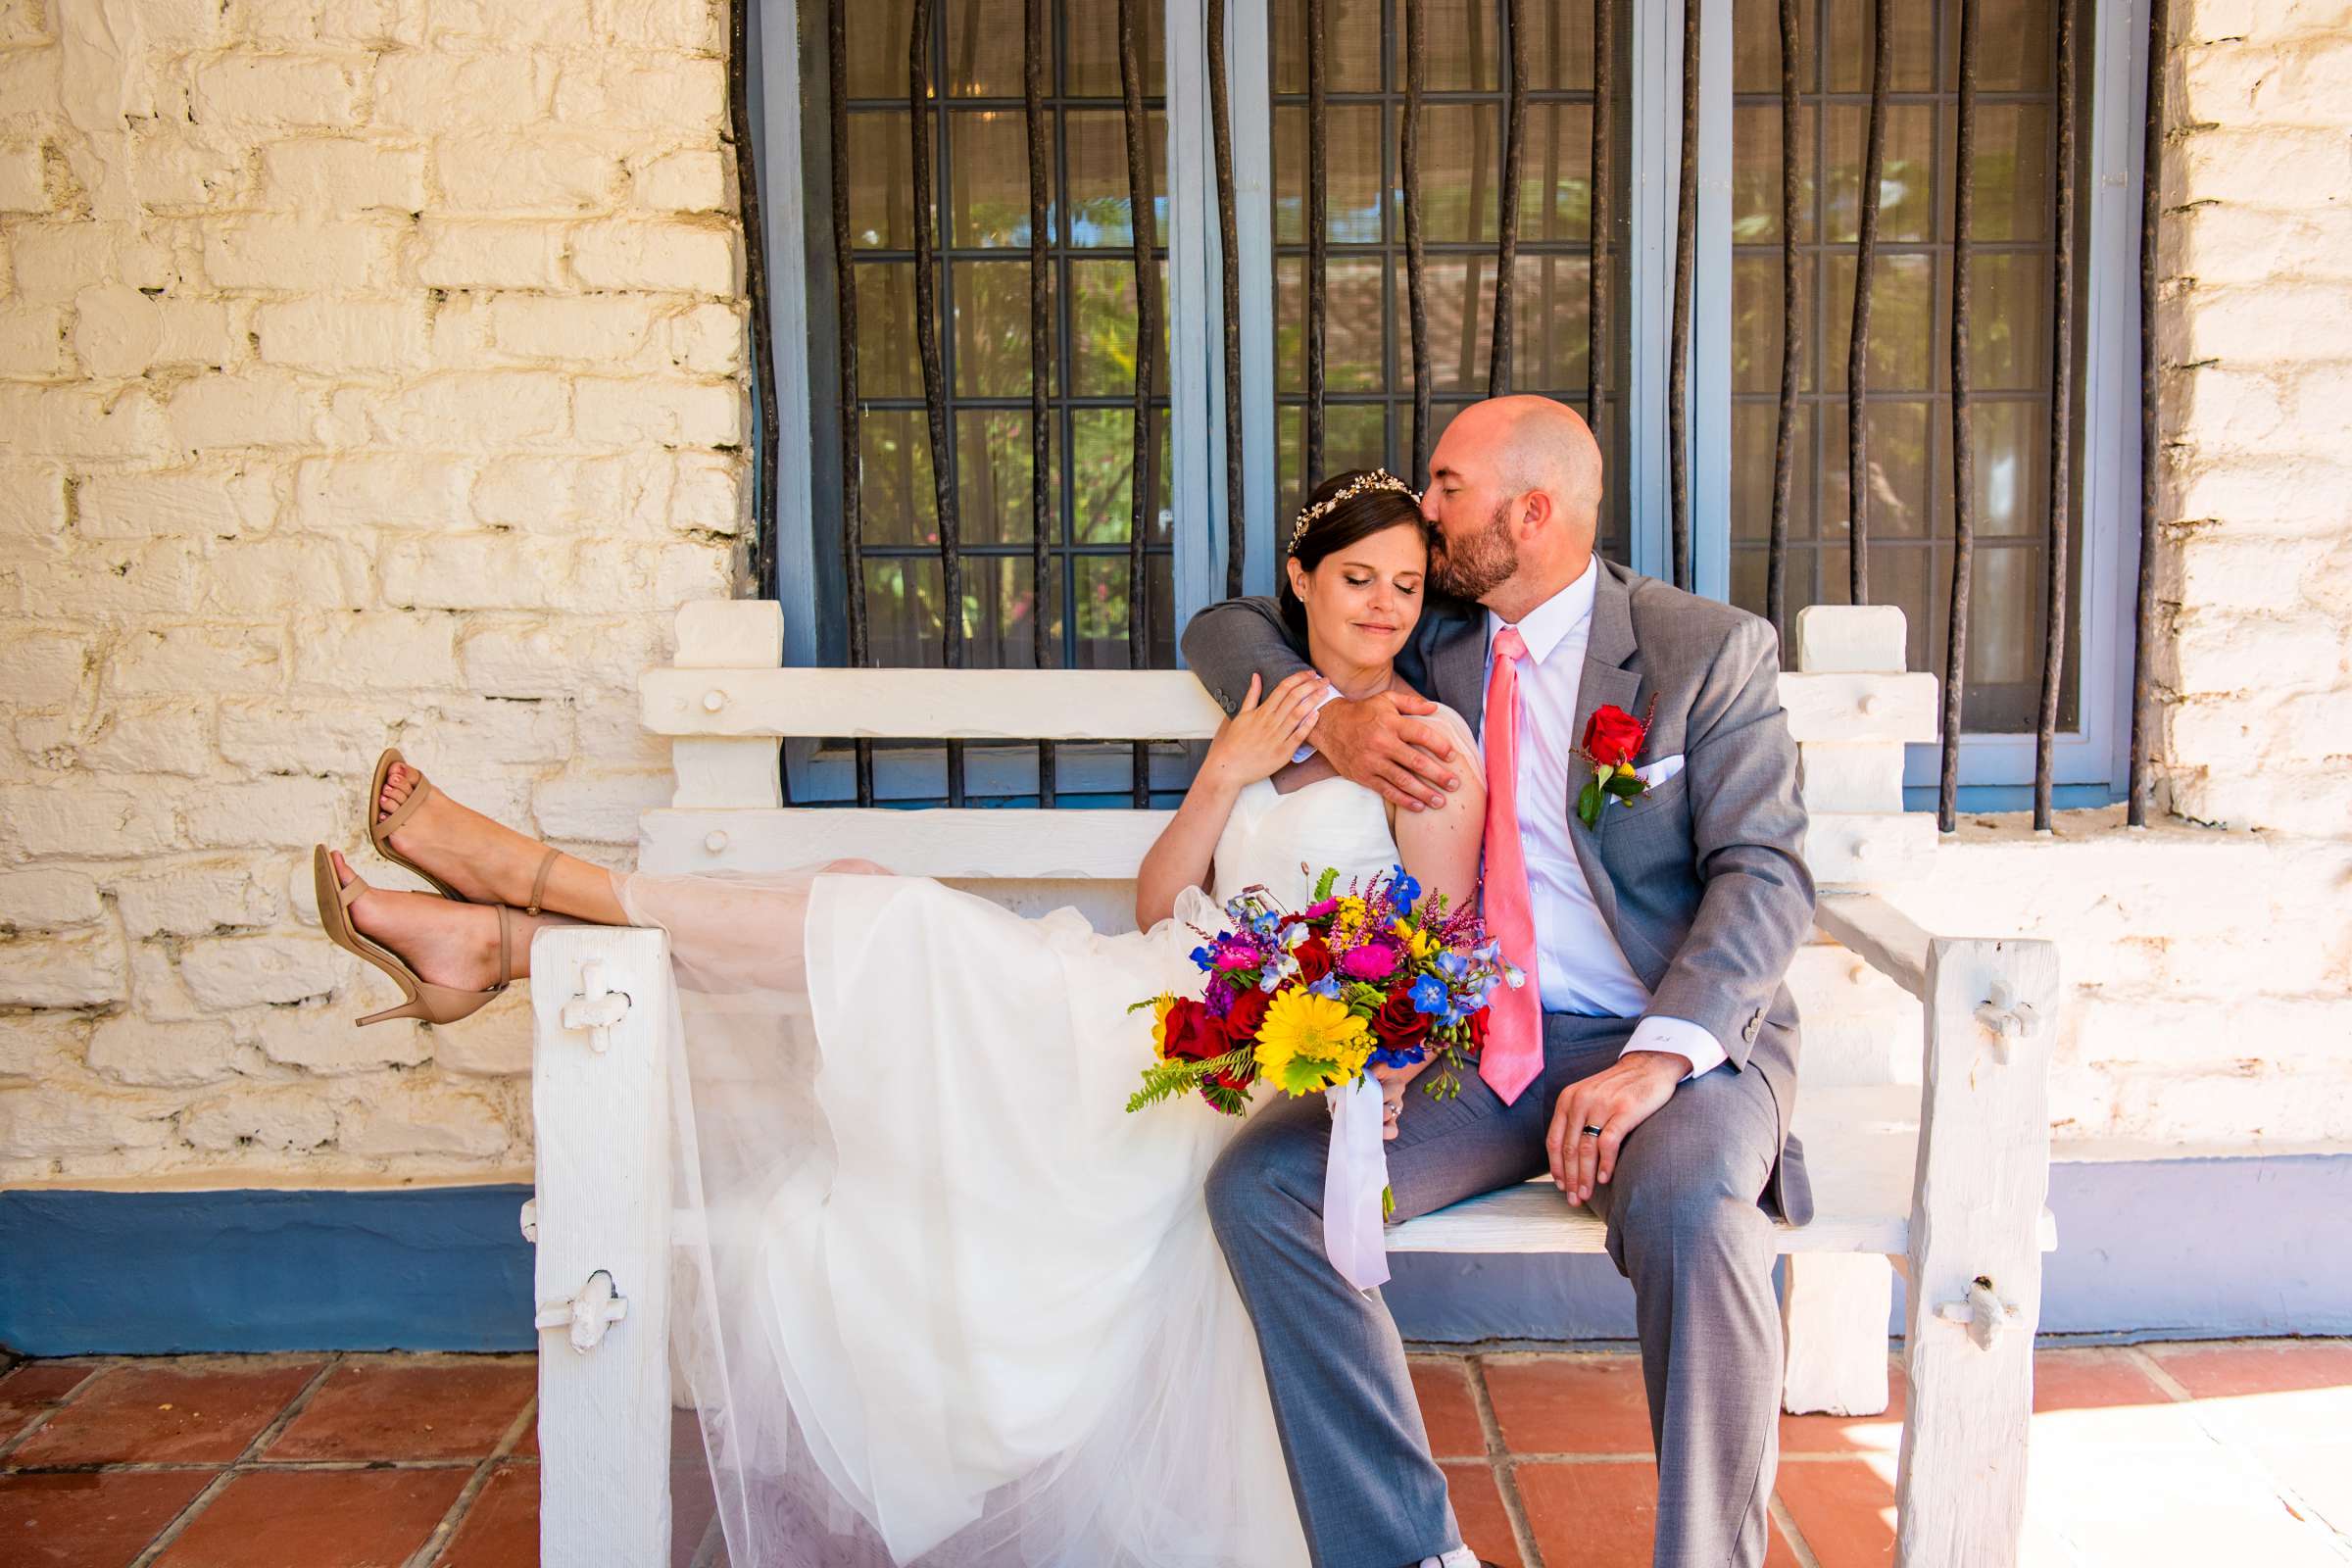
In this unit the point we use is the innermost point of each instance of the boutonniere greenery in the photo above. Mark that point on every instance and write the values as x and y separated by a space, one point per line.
1613 738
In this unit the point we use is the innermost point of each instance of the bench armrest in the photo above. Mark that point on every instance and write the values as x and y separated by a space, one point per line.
1879 934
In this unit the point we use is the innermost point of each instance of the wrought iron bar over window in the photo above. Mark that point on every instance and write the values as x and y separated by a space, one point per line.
1958 351
970 533
1396 124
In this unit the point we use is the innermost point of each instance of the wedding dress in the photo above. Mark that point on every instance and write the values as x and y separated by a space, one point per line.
940 1300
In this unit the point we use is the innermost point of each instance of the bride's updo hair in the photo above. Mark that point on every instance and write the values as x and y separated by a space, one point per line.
1347 507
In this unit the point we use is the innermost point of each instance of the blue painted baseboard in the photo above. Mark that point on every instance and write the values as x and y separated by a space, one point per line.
2167 1248
433 1269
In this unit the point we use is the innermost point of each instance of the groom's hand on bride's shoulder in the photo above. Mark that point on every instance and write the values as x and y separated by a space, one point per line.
1384 743
1618 1098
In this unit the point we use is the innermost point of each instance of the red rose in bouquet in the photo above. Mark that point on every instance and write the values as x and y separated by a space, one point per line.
1613 736
1399 1025
1193 1032
1248 1012
1314 959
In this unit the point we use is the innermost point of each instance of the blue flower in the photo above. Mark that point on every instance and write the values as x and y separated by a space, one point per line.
1328 986
1452 965
1205 958
1382 1056
1428 994
1403 890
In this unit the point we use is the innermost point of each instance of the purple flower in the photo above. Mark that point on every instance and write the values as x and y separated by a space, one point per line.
1233 954
1218 997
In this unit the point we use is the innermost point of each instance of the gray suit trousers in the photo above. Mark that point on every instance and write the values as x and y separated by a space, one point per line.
1684 1223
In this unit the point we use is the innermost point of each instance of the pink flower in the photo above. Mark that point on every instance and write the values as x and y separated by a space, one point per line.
1374 961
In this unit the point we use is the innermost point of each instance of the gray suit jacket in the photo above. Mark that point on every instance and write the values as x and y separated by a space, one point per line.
1701 879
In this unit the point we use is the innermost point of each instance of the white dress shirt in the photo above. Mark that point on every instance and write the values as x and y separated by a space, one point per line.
1578 964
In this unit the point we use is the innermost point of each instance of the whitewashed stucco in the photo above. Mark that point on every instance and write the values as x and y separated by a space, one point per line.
371 373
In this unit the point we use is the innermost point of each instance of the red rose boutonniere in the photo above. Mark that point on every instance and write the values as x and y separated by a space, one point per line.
1613 737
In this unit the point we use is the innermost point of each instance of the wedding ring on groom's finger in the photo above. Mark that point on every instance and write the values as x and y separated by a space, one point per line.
1591 1131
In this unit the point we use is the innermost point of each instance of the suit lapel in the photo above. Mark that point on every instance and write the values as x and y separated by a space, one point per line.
1457 665
1605 680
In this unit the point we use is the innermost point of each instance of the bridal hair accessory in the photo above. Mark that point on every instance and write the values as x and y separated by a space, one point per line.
1309 1002
1372 479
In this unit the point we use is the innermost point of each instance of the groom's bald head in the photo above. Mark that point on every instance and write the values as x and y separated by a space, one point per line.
1544 445
1515 493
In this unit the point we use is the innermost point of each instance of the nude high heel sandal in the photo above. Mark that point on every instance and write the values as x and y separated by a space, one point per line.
381 833
433 1004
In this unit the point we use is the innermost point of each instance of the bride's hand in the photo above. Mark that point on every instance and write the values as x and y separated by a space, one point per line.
1261 737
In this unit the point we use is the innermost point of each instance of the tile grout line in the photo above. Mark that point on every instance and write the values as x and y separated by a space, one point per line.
1500 1463
1798 1547
96 1371
2173 1386
143 1467
462 1504
269 1434
2288 1497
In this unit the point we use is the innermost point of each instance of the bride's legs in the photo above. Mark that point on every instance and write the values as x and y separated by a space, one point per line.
729 932
447 943
489 862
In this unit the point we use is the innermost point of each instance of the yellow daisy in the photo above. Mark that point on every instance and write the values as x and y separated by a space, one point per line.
1310 1042
1161 1005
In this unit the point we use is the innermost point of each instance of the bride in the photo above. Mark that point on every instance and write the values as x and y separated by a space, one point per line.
948 1302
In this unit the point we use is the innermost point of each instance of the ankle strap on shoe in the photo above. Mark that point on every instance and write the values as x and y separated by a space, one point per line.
539 883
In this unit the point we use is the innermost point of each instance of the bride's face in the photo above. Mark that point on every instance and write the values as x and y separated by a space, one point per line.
1363 598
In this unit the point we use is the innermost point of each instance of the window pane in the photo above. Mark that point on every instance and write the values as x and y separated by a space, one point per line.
986 48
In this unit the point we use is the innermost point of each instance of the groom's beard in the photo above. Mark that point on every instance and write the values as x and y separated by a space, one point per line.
1477 568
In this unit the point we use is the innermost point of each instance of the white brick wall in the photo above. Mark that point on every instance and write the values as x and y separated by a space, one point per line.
2254 560
370 372
373 372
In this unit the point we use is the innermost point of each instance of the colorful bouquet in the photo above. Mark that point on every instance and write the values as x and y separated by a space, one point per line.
1309 1001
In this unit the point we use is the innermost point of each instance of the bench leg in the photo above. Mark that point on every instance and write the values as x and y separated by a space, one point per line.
1833 1311
600 1109
1972 1295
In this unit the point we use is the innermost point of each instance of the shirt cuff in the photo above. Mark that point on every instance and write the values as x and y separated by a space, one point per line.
1330 694
1681 1037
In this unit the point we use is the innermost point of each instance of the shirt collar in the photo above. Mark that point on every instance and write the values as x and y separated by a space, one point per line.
1551 622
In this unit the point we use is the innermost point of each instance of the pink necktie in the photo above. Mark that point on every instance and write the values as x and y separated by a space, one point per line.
1514 1050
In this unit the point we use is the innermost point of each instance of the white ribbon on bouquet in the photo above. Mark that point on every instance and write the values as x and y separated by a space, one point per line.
1354 1180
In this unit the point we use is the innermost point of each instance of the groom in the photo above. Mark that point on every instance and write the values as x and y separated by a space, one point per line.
1656 1080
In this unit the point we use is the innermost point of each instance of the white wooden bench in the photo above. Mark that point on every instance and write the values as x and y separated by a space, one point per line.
1926 1135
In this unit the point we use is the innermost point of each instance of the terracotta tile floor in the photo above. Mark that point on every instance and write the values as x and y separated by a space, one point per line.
2236 1451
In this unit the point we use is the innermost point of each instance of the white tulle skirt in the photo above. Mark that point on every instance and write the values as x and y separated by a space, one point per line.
948 1303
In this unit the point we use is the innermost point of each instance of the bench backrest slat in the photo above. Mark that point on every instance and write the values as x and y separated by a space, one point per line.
724 703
